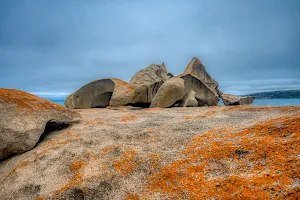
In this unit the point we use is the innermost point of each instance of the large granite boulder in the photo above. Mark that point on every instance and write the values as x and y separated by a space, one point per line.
169 93
101 93
204 94
197 69
231 100
147 82
197 79
23 118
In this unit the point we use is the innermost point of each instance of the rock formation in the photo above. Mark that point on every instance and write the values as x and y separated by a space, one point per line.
101 93
23 118
232 100
189 100
154 87
169 93
147 82
197 69
204 94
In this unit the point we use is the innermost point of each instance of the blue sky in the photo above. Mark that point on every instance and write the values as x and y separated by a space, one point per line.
53 47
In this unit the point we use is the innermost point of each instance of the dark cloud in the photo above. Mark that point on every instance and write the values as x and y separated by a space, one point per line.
53 47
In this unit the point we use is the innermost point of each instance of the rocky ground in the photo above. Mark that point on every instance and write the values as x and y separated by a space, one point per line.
239 152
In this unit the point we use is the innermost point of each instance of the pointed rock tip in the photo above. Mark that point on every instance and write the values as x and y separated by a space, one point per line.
195 58
163 66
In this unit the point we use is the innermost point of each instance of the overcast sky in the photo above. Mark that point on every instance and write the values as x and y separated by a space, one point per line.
53 47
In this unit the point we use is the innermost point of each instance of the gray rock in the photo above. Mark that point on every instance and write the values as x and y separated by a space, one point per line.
197 69
101 93
169 93
231 100
147 82
23 119
204 94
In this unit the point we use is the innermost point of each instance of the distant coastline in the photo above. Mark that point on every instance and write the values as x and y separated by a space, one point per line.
285 94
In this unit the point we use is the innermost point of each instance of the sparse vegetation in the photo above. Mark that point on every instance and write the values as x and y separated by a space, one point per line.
240 152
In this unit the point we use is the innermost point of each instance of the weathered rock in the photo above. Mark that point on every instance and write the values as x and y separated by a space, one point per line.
147 82
219 92
104 158
231 100
101 93
69 101
23 119
169 93
189 100
122 94
204 94
197 69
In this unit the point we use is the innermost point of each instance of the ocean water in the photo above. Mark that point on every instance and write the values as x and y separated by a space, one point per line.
60 102
276 102
257 102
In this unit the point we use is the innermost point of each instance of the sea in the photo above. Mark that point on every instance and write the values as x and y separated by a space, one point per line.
257 102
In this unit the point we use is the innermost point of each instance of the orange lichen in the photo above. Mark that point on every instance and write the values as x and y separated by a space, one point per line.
76 168
20 165
149 129
128 119
44 151
132 197
109 149
125 86
40 197
259 162
24 100
98 121
151 109
126 164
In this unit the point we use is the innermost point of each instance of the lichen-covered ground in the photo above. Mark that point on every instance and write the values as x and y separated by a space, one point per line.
241 152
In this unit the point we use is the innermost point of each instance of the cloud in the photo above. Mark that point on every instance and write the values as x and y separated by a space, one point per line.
55 47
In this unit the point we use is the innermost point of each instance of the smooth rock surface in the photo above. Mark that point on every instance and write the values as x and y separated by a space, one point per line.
189 100
23 118
169 93
101 93
232 100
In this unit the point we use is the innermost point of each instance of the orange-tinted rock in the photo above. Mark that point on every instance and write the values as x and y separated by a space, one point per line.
23 118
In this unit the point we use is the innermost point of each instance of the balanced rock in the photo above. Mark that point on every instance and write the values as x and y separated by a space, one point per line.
101 93
169 93
189 100
197 69
23 119
231 100
147 82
